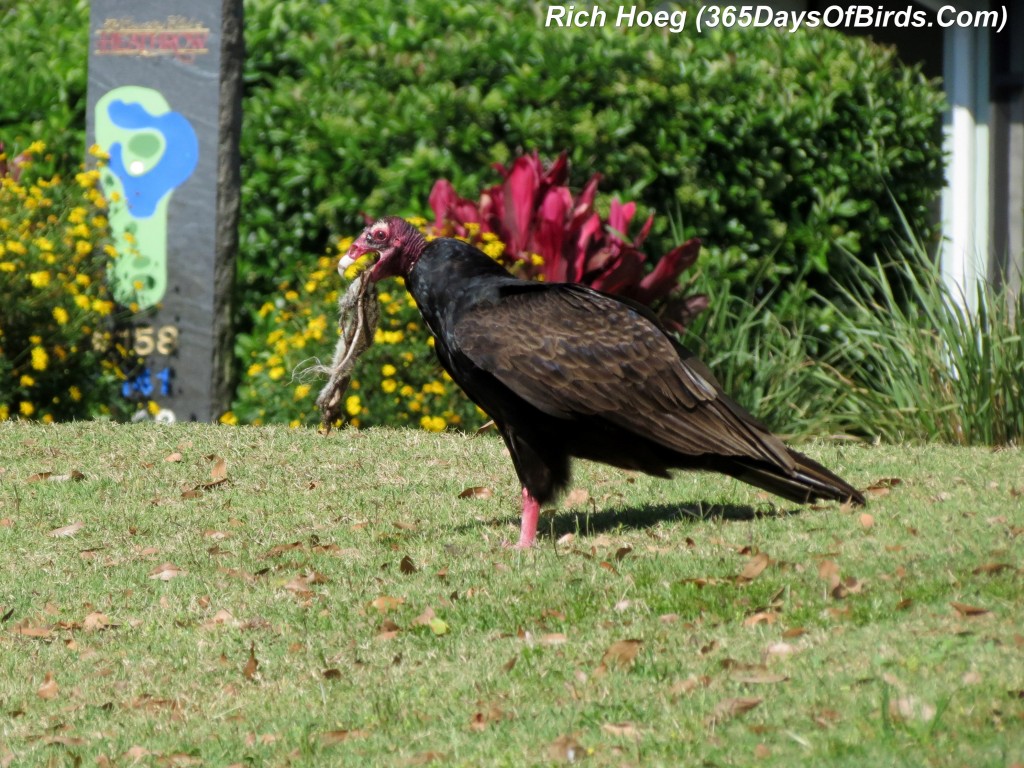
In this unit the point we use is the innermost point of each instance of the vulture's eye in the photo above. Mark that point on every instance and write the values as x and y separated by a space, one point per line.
378 234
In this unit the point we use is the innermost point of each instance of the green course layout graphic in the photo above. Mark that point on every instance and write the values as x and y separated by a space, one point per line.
153 151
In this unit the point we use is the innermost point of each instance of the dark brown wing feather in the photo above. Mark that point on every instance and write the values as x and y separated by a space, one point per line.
574 352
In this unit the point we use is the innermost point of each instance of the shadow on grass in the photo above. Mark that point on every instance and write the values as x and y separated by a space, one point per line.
557 522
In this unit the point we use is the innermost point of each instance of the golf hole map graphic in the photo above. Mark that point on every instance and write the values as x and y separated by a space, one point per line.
155 91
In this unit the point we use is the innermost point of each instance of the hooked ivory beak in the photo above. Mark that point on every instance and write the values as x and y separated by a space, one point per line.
351 257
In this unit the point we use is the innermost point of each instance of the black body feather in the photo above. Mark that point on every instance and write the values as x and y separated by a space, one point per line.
566 371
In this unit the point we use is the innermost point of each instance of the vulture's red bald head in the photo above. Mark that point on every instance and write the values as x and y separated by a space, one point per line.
396 242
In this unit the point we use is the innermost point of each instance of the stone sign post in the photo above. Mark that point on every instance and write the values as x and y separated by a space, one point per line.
164 104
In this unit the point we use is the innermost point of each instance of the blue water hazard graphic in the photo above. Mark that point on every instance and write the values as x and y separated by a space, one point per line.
180 155
142 384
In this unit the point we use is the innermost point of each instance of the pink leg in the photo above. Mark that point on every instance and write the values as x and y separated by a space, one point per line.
531 511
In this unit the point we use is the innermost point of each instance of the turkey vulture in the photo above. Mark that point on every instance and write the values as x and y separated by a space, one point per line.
566 371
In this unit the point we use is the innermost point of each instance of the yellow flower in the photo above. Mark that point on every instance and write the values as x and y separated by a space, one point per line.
301 391
4 413
39 358
432 423
7 266
255 369
494 249
353 405
83 280
388 337
27 381
266 309
82 302
388 369
389 386
36 147
101 307
43 244
77 215
291 296
39 279
75 393
229 418
83 247
26 408
276 372
433 388
47 418
60 315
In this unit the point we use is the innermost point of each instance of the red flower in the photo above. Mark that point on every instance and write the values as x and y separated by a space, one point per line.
534 213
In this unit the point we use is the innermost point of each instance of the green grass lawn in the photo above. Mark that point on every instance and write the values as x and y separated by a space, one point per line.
198 595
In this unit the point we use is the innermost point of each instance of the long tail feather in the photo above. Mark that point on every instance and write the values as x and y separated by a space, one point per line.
807 482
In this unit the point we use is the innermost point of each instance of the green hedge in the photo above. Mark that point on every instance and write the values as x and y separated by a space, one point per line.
43 76
778 149
766 144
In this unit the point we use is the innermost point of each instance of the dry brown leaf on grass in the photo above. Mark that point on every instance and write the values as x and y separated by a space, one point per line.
883 486
760 677
67 530
219 473
761 617
74 475
969 610
388 630
754 567
407 566
25 629
476 492
689 685
96 622
330 738
166 572
252 664
423 758
178 760
627 730
620 655
48 689
220 619
729 708
386 603
990 568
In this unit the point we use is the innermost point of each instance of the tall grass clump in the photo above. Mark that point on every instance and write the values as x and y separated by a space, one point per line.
771 365
895 355
924 366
